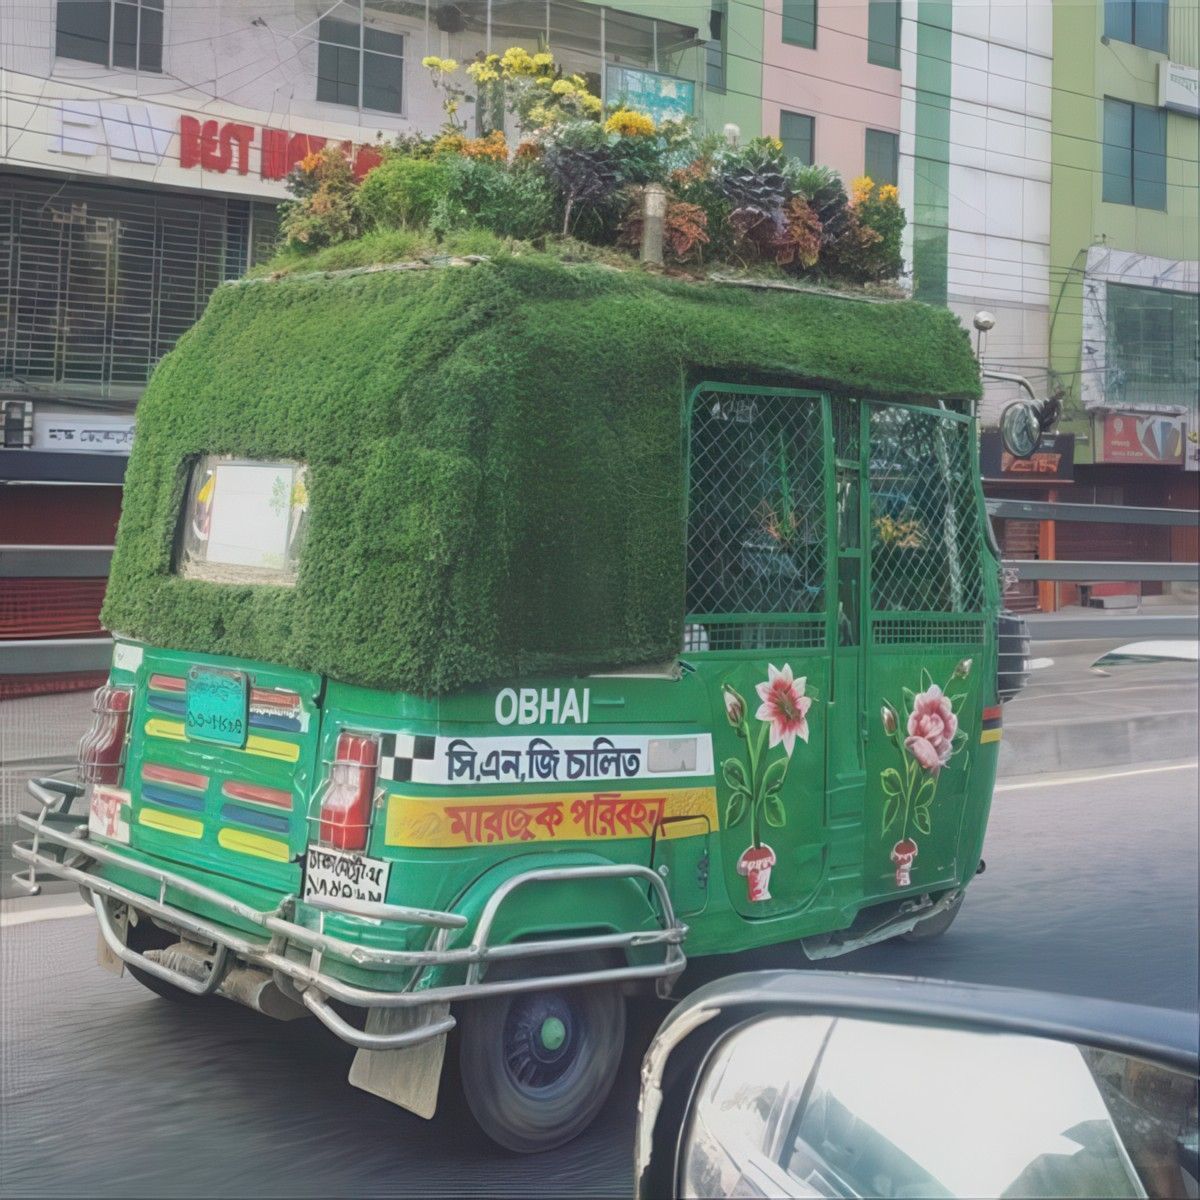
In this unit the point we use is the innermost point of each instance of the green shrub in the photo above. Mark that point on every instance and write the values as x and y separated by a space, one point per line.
402 191
515 202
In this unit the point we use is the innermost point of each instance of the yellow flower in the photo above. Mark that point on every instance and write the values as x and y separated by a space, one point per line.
560 87
544 81
543 59
776 143
590 103
482 73
516 60
444 66
627 123
492 58
578 82
861 189
889 193
451 106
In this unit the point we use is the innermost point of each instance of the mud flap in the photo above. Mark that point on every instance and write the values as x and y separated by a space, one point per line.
408 1077
104 956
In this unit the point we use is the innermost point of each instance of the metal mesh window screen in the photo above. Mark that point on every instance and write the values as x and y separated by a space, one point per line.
846 438
925 536
756 515
97 283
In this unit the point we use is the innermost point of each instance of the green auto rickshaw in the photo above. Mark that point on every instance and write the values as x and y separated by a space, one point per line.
489 637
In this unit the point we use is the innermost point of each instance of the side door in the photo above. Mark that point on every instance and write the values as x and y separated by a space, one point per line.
924 641
758 631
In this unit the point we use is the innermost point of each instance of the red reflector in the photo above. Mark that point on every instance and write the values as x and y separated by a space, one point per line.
102 748
345 816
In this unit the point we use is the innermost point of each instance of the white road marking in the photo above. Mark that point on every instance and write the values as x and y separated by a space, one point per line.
1093 777
43 913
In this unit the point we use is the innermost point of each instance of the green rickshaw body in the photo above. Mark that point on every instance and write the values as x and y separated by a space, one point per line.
657 617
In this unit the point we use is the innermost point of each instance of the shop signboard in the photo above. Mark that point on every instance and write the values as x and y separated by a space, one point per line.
1141 440
663 97
1052 462
82 434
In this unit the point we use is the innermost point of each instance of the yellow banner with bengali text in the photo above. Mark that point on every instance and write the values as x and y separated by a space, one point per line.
430 822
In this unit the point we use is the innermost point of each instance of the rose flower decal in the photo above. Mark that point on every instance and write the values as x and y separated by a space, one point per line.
754 782
932 737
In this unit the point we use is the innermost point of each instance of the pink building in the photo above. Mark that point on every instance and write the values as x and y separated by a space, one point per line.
831 83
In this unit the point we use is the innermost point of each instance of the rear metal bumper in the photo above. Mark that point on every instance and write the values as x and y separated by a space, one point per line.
60 846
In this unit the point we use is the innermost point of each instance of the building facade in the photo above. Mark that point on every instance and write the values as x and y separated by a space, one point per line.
1125 239
144 146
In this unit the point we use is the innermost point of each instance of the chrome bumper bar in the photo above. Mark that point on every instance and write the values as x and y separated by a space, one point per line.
73 854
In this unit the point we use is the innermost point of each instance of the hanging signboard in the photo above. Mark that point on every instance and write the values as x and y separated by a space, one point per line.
663 97
1150 441
1179 88
1052 462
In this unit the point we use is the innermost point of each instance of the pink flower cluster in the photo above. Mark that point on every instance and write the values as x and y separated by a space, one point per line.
931 729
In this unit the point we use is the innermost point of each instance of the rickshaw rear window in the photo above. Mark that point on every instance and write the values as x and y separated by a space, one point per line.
243 521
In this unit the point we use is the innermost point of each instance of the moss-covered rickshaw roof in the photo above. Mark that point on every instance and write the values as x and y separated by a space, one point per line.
495 459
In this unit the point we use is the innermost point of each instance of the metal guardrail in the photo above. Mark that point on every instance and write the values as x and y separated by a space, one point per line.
1105 514
1127 627
54 562
1064 571
55 656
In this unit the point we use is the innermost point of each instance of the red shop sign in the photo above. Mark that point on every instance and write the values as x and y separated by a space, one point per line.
1154 441
222 146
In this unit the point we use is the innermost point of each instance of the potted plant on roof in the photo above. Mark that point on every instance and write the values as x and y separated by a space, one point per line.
756 781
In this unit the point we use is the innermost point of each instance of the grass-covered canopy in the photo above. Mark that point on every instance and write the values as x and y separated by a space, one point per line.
495 457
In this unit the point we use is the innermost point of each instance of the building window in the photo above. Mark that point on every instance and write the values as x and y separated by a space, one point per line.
1151 344
360 66
1139 22
800 23
881 159
716 48
883 33
1135 154
111 33
109 278
796 134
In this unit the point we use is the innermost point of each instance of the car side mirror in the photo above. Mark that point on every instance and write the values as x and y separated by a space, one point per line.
835 1106
815 1084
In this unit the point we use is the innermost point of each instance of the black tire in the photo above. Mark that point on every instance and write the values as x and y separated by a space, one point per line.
143 936
537 1067
934 927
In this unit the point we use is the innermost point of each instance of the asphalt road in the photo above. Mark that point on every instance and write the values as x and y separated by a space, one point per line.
1091 888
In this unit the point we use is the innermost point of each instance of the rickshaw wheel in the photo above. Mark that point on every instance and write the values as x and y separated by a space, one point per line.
935 926
143 936
536 1067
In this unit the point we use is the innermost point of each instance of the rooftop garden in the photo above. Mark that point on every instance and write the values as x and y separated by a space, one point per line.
571 181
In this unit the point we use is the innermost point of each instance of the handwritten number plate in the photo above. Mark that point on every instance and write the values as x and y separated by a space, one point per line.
216 709
336 875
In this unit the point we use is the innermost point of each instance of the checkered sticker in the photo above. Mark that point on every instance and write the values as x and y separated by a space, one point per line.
398 752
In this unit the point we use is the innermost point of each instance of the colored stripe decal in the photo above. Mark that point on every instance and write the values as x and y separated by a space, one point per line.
275 797
990 735
167 683
251 816
176 708
993 712
162 795
263 747
173 777
158 728
272 748
170 823
253 844
267 698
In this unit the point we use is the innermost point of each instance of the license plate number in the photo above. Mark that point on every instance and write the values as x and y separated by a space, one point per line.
336 875
216 708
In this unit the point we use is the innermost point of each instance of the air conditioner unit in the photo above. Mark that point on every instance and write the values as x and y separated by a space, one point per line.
18 424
